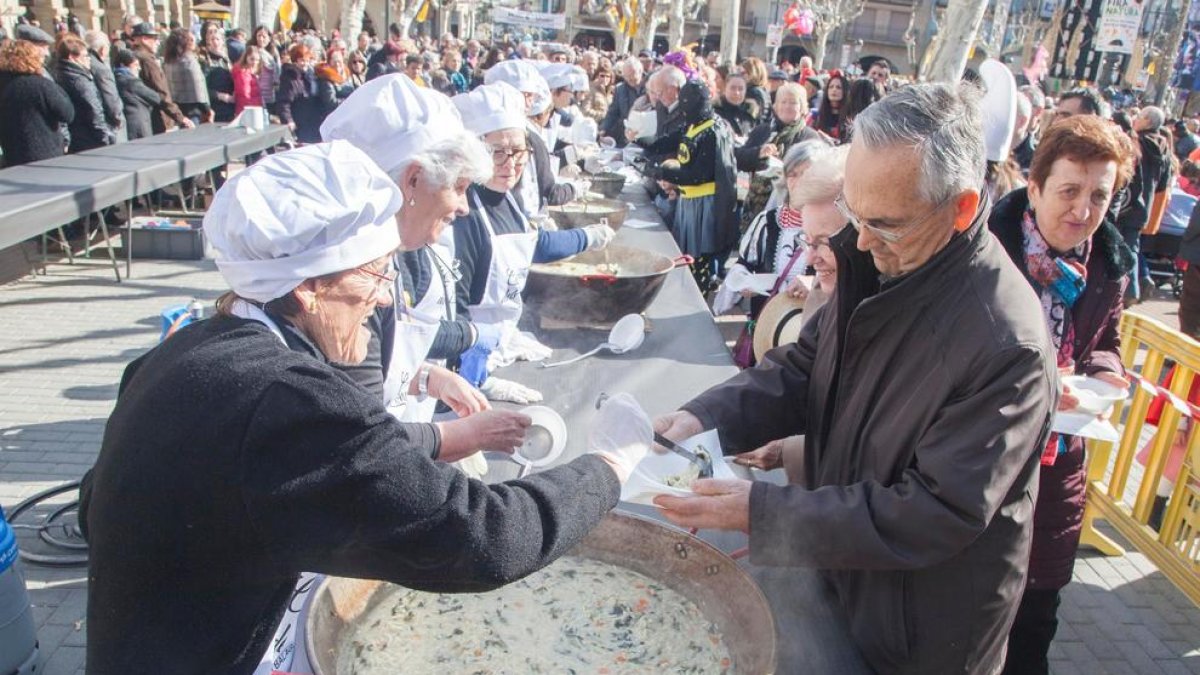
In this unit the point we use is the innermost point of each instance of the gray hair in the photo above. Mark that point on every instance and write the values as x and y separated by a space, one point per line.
942 123
450 160
671 76
96 40
1024 106
633 65
1036 97
800 153
1154 116
824 178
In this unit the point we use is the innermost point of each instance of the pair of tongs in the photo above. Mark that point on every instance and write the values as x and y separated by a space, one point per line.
700 458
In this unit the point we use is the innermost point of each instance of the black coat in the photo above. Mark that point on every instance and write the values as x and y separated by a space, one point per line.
110 98
296 102
32 108
613 124
740 120
139 101
232 462
218 76
925 403
1096 317
88 129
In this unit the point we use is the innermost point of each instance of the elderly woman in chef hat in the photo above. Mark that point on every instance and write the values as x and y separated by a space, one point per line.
539 187
237 455
495 243
416 136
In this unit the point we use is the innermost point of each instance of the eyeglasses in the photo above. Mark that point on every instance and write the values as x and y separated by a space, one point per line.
383 282
890 235
502 155
814 243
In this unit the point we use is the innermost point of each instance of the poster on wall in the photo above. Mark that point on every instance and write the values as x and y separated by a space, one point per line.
519 17
1118 27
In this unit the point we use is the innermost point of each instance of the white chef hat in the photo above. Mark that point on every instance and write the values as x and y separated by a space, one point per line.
301 214
491 107
519 73
999 108
392 119
559 75
526 77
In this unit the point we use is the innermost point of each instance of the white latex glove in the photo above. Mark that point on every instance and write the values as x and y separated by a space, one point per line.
599 236
621 434
474 466
527 348
497 389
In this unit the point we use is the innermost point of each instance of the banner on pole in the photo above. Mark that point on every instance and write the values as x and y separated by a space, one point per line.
1118 27
775 35
519 17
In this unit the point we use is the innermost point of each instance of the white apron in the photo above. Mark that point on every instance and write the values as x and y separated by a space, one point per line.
416 329
512 254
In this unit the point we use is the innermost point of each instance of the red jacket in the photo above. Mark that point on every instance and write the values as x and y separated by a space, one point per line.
245 89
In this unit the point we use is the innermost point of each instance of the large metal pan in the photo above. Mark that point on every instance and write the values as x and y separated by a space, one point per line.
724 592
597 298
608 183
585 212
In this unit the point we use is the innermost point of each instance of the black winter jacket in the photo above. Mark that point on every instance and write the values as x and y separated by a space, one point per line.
232 462
88 129
31 109
110 98
139 102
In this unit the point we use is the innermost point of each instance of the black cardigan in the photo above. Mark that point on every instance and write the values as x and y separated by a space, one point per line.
231 463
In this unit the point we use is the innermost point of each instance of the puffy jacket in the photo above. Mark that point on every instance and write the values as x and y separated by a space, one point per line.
88 129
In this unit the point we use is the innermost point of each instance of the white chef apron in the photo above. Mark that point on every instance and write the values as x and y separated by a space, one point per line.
416 330
512 254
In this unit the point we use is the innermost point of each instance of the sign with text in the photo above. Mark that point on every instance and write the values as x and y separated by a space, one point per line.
519 17
1118 27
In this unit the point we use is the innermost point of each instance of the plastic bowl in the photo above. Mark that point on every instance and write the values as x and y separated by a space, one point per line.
1095 396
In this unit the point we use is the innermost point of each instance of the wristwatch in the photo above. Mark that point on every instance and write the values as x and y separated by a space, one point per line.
423 381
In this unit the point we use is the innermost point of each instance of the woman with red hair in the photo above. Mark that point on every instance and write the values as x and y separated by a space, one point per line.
31 106
296 101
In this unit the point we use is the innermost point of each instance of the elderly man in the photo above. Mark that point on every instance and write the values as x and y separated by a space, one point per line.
1023 141
630 89
145 47
106 82
924 389
665 82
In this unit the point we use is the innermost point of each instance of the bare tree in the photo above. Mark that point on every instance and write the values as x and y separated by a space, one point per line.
955 39
681 11
828 16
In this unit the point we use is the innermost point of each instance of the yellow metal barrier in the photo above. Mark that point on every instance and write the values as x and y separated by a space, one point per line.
1175 548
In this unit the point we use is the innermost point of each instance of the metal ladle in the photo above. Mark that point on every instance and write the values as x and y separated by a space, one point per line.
626 335
700 459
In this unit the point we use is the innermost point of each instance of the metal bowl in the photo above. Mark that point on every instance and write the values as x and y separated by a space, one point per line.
722 590
608 184
584 212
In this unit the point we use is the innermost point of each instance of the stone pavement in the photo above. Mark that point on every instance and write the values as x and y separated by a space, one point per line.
66 337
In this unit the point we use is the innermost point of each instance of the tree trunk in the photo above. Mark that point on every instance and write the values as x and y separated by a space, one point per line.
955 39
820 37
351 20
649 18
676 24
729 31
408 12
444 10
924 19
1166 62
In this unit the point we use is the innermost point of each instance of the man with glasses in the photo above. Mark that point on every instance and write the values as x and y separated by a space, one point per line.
924 389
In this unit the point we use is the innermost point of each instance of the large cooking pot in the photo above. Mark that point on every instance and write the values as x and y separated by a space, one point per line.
562 292
722 591
608 183
583 212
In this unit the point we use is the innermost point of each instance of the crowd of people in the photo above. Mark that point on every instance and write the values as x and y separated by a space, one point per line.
971 241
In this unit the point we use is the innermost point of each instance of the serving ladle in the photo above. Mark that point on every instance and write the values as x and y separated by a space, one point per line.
626 335
700 459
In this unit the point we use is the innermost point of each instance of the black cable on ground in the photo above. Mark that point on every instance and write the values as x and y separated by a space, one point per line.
61 535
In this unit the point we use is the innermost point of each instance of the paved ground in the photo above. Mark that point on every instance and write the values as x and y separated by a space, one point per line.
65 338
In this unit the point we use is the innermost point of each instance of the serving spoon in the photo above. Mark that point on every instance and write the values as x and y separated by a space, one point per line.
626 335
700 459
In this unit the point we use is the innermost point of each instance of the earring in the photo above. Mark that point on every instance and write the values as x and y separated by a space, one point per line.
312 307
412 202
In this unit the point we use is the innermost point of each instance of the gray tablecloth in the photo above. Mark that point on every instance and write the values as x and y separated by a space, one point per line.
38 197
683 355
